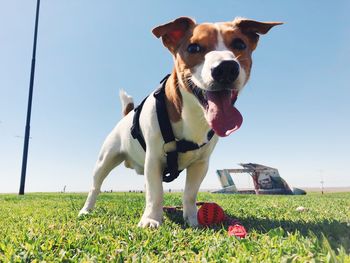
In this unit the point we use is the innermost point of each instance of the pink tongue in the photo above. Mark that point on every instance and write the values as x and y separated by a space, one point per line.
221 115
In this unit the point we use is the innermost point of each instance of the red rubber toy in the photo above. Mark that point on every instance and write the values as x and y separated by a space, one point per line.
237 230
210 214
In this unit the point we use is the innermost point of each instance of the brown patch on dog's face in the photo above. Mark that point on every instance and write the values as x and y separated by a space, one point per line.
205 35
231 33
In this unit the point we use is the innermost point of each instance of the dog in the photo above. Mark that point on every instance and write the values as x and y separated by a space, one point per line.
212 63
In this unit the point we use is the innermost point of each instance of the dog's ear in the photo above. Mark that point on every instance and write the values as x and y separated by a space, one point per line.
254 28
173 32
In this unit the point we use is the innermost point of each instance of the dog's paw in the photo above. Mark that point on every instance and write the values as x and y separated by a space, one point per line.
149 222
190 216
83 212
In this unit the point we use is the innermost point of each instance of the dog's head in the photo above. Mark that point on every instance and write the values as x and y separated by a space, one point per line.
213 63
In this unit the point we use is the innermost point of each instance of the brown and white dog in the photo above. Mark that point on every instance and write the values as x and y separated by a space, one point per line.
213 58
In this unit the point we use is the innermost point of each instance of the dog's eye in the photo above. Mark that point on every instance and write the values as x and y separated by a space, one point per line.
238 44
194 48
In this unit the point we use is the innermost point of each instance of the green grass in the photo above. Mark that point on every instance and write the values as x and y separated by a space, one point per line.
45 227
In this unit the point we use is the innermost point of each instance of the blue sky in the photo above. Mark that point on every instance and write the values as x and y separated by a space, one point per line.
295 107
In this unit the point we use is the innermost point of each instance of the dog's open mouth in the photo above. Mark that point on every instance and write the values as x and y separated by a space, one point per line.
221 113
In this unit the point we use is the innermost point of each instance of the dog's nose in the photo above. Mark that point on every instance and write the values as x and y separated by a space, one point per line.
226 72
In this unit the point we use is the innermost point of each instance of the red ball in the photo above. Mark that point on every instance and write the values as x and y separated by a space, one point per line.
210 214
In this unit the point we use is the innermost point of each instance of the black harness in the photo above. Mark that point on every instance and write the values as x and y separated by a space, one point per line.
172 146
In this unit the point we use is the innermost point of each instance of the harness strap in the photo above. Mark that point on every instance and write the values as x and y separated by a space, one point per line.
135 128
171 146
171 172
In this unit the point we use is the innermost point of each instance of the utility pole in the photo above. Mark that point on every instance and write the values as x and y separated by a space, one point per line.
29 108
322 181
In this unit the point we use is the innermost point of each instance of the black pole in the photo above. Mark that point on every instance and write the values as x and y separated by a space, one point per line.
29 109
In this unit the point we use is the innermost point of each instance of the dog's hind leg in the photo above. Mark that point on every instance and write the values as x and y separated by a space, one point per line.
109 158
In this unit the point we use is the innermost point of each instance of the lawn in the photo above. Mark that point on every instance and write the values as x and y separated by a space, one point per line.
44 227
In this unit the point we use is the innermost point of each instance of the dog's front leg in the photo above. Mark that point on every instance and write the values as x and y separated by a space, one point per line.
152 216
195 175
